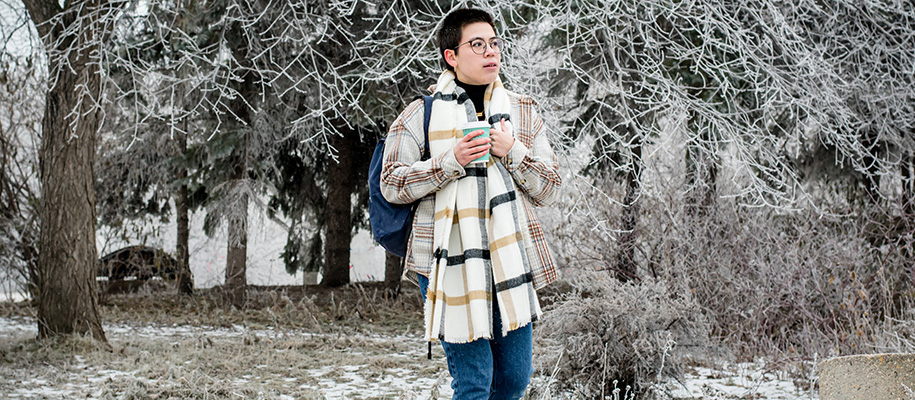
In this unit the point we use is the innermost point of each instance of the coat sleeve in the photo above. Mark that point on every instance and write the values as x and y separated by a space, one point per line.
404 177
531 160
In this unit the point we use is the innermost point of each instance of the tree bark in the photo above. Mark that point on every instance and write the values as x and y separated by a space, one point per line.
185 278
908 213
701 179
393 270
871 180
237 255
67 290
338 213
237 219
626 267
701 182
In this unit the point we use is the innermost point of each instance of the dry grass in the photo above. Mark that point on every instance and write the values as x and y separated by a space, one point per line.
309 343
301 343
363 307
202 366
290 342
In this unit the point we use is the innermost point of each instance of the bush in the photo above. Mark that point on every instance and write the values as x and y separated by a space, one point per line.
789 286
793 286
603 331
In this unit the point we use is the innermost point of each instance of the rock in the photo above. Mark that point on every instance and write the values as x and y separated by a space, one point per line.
868 377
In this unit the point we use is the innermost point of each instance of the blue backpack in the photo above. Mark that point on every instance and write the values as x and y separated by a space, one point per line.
391 223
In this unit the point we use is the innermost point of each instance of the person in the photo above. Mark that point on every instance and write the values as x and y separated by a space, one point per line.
476 250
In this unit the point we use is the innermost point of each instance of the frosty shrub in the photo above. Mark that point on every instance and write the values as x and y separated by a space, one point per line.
897 335
787 285
603 331
791 285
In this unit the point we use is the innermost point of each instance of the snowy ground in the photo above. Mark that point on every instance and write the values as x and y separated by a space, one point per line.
148 360
153 360
358 378
737 381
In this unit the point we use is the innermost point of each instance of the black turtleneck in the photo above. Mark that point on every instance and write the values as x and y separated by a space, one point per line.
476 93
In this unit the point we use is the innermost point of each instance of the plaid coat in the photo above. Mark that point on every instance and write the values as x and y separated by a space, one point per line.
405 179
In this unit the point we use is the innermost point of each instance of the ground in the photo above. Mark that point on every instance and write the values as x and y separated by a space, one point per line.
353 342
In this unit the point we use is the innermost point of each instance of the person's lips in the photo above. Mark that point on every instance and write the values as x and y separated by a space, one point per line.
490 65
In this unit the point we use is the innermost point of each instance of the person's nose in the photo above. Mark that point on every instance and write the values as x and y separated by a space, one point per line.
489 52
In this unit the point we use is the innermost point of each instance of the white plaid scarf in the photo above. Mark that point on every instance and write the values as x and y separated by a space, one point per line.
484 252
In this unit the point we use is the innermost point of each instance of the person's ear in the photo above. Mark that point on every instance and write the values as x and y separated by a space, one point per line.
451 57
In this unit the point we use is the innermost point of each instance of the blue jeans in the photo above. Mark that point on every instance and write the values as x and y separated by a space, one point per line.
495 369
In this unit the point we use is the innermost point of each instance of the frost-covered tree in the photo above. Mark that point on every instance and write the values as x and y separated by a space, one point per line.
20 121
194 79
144 151
868 49
292 91
751 104
747 85
361 46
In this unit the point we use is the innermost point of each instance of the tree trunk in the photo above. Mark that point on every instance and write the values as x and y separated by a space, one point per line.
626 267
67 290
701 179
393 270
338 213
701 184
871 179
237 255
237 219
185 278
908 213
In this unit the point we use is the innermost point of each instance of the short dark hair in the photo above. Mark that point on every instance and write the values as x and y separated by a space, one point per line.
449 34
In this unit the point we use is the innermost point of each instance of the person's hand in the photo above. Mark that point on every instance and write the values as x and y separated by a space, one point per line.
467 149
502 141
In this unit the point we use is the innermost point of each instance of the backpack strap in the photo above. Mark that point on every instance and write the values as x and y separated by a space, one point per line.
427 114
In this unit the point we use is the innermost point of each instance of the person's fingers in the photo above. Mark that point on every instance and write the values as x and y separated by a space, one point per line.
477 142
472 135
480 147
502 121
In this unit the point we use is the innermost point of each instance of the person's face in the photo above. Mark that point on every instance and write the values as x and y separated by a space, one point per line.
470 67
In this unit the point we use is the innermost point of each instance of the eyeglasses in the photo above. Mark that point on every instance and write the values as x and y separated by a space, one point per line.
478 45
